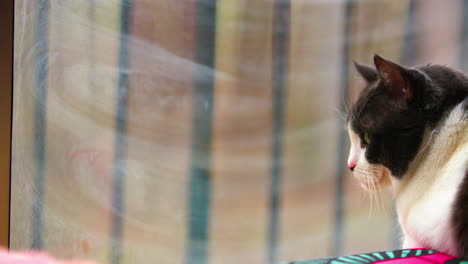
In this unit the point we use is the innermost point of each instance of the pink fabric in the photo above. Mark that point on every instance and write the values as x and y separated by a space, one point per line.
34 257
426 259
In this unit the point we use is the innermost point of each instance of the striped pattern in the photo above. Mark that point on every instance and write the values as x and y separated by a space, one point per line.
370 257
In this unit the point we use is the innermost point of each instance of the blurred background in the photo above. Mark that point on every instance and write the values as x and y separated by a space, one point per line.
204 131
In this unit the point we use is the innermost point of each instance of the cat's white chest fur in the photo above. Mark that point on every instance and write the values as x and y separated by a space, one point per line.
426 194
426 217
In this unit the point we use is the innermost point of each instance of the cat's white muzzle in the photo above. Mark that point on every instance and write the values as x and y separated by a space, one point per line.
370 176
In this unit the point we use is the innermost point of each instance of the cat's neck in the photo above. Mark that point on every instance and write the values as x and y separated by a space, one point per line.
446 89
439 144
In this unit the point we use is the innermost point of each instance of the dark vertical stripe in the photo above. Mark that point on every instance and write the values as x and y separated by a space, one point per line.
409 49
40 112
464 38
120 153
281 17
337 240
199 193
92 46
6 110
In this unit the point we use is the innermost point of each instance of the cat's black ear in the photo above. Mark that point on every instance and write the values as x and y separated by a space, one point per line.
393 76
368 73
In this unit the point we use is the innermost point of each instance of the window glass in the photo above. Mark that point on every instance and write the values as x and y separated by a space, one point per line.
206 131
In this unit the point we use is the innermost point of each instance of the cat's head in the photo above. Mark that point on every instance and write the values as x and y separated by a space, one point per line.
387 122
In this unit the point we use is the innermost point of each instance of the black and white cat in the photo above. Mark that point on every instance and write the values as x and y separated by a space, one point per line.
409 129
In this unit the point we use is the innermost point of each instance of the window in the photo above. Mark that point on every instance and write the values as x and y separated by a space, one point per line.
203 131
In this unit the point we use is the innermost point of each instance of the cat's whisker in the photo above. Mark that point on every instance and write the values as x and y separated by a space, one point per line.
370 197
371 186
381 201
365 102
347 108
376 171
353 116
362 107
374 193
340 113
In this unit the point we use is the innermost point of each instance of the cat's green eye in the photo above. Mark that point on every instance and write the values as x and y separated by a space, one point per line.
367 138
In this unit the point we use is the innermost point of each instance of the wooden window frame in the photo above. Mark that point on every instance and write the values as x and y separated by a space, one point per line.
6 104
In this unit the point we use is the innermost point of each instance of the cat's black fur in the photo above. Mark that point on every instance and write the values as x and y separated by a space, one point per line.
407 101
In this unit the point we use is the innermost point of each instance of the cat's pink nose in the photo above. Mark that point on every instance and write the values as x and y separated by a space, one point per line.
351 166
